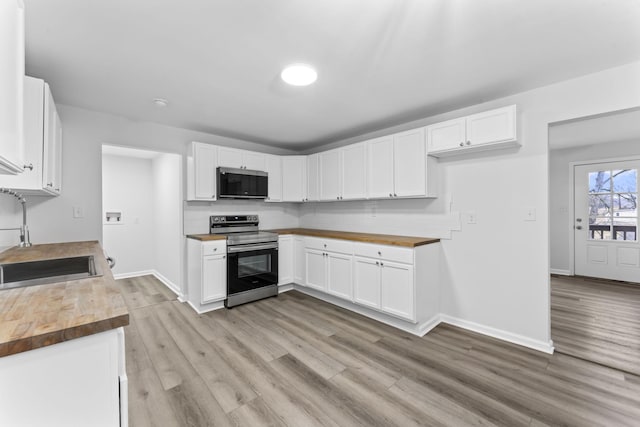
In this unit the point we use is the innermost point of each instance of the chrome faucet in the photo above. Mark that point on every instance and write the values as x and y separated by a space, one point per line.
24 230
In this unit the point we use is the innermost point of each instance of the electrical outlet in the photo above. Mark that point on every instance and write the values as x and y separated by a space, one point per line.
530 214
471 217
78 212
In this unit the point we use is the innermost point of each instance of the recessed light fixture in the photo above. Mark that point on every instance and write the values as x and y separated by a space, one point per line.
160 103
299 75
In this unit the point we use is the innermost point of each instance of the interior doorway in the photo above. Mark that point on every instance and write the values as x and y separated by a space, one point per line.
142 214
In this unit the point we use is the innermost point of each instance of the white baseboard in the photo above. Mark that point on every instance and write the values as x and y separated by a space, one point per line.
560 272
285 288
214 306
168 283
546 347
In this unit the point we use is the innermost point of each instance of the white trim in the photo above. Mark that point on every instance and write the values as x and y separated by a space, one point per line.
217 306
546 347
560 272
169 284
285 288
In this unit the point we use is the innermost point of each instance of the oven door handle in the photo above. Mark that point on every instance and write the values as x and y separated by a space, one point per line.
247 248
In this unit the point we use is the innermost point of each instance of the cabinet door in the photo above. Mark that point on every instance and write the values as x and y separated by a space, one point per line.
380 167
205 160
397 289
410 163
354 172
316 269
229 157
330 175
447 135
214 278
254 161
366 282
11 86
313 177
50 155
492 126
285 260
294 178
339 280
299 261
274 169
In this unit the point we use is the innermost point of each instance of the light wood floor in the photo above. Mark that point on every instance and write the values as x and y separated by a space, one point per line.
297 361
597 320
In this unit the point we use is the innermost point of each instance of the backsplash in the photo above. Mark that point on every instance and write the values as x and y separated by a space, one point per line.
272 215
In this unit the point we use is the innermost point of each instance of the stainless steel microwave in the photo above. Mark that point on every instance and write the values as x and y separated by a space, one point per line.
236 183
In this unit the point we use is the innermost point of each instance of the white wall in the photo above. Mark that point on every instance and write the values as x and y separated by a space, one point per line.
167 208
496 271
560 181
84 132
127 185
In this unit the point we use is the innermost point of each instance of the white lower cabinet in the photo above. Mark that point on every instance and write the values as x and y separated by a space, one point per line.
339 280
285 260
80 382
385 285
316 270
206 274
299 263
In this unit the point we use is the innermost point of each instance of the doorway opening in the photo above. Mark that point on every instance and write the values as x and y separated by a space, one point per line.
594 246
142 214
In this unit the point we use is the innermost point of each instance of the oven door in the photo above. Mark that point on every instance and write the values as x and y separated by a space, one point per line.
251 267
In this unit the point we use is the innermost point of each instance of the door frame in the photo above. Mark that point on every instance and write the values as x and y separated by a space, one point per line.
572 214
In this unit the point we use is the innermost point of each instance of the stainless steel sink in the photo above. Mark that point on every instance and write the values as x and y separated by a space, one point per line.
20 274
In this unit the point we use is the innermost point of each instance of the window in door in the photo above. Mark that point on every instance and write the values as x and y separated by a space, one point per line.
613 204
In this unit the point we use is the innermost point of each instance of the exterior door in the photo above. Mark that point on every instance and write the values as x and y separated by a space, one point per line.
606 220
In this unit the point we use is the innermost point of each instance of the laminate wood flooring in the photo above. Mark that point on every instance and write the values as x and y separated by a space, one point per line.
297 361
597 320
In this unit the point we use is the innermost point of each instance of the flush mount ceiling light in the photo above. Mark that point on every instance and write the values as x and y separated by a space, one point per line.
299 75
160 103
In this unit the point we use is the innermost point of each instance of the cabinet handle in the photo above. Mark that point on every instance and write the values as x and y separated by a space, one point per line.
390 195
57 189
377 263
50 184
325 245
215 249
468 142
224 256
29 166
337 197
379 253
381 264
395 195
462 144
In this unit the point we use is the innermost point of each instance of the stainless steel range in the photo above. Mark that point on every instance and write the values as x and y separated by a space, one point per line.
252 258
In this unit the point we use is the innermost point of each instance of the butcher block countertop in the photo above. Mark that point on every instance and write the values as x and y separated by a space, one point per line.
206 237
381 239
42 315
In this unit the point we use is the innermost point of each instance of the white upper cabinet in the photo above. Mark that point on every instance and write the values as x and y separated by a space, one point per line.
43 143
409 164
483 131
274 169
201 171
11 86
294 178
398 166
354 171
380 167
330 175
241 159
313 178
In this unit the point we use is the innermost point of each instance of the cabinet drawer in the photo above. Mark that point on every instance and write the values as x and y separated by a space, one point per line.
214 248
391 253
331 245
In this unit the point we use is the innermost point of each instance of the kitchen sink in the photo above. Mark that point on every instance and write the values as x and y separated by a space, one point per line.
20 274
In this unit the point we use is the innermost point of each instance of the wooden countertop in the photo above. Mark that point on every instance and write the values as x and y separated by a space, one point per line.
206 237
382 239
42 315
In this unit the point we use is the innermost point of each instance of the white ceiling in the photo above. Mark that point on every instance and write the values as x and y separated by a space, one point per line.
380 62
618 126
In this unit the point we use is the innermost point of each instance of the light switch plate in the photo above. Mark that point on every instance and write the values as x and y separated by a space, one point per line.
471 217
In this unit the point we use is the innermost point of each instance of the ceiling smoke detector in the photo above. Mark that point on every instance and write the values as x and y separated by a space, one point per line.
299 75
160 103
